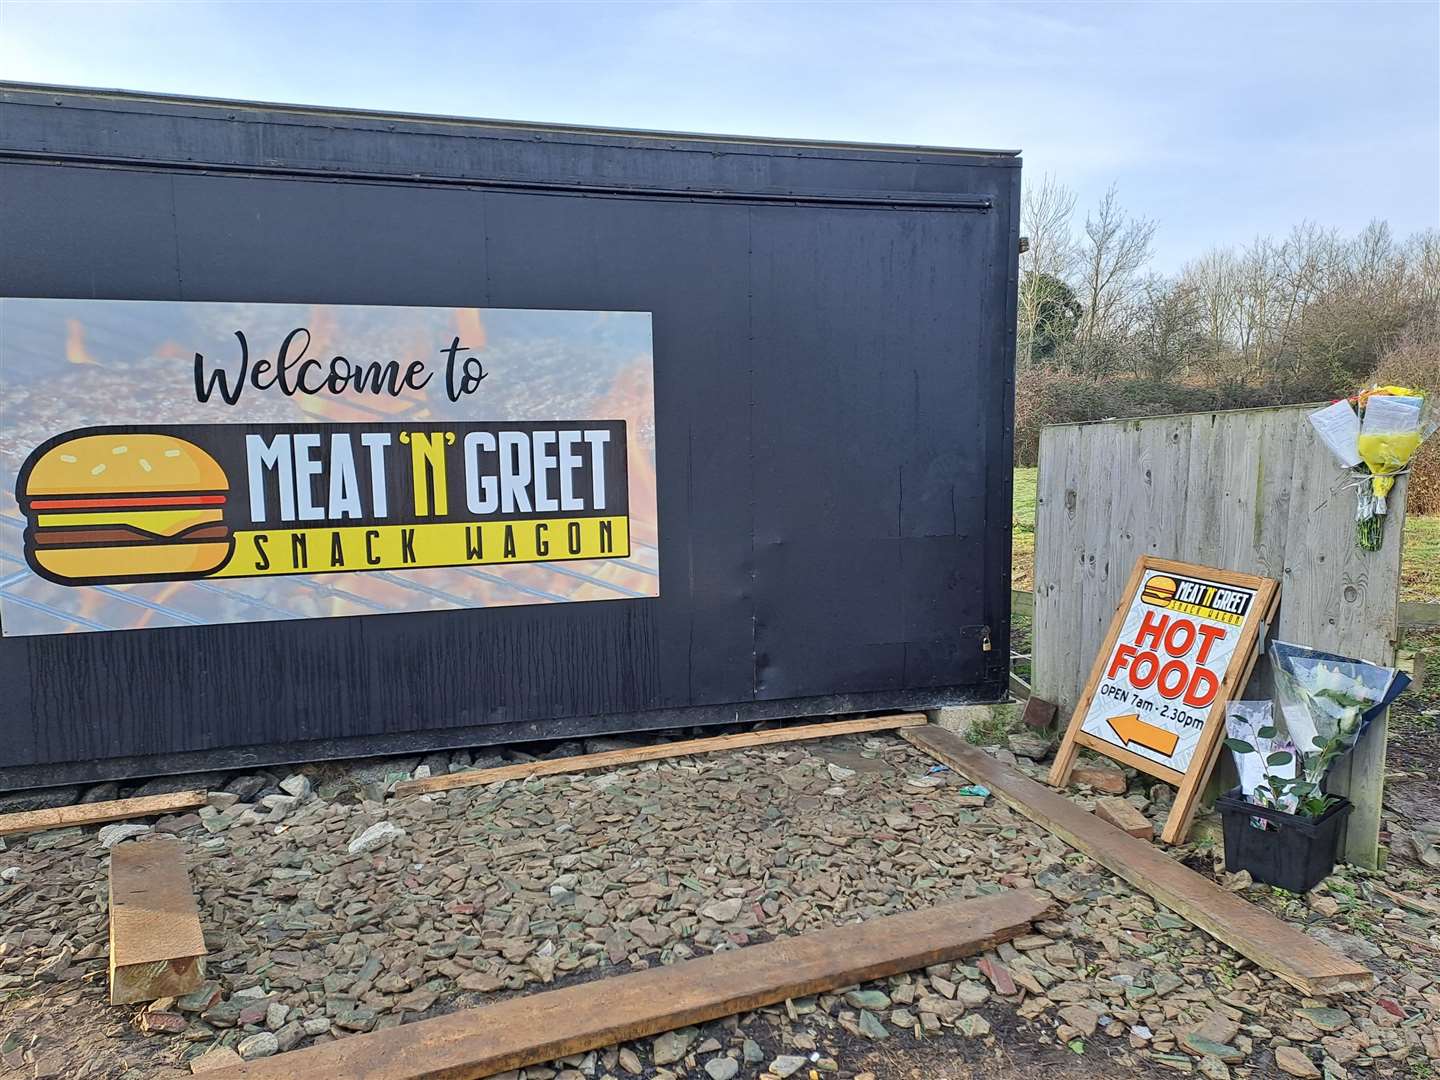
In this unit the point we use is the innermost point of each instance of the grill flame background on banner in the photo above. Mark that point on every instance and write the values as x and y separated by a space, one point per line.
455 458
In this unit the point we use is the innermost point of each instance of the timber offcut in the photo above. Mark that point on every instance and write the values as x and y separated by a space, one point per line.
1299 959
157 948
614 759
98 813
536 1028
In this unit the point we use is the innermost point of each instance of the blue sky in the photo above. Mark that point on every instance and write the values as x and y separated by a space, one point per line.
1220 121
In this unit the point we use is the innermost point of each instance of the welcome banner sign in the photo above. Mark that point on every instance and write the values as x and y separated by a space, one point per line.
170 463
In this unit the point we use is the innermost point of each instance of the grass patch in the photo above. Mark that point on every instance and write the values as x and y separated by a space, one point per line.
994 728
1023 513
1420 562
1022 531
1022 561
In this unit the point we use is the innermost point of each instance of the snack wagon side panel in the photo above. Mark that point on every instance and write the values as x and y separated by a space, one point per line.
833 344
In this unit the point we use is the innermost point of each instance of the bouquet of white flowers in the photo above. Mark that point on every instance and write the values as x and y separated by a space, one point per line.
1326 702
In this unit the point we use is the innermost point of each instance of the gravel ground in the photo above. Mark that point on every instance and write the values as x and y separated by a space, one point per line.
329 910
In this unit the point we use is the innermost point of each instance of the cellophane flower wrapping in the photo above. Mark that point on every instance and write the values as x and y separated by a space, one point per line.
1244 720
1376 444
1389 436
1325 698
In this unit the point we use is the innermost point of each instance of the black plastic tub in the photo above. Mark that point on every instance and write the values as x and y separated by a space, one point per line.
1292 853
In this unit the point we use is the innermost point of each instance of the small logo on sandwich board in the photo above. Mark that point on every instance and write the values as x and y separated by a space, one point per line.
1205 599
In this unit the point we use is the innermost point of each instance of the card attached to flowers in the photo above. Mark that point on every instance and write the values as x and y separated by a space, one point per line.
1181 645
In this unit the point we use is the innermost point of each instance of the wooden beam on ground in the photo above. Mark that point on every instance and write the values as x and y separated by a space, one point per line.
1421 905
1418 614
1299 959
156 946
98 813
535 1028
1019 688
614 759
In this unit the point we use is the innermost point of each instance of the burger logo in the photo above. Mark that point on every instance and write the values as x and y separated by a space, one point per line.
1159 590
116 508
123 505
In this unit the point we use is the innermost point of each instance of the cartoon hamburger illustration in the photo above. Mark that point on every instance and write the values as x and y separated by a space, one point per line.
1159 590
112 508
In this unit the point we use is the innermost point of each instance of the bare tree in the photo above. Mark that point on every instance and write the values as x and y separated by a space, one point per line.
1113 251
1213 277
1305 263
1376 265
1422 265
1256 290
1303 317
1169 329
1045 212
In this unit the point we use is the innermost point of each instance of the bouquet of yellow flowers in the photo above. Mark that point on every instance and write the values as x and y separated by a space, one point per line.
1374 434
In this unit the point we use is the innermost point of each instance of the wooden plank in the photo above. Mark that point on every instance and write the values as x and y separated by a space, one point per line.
1265 540
1362 781
1056 550
157 948
1162 448
1419 664
614 759
1098 584
1019 688
1415 614
1297 958
536 1028
1421 905
98 813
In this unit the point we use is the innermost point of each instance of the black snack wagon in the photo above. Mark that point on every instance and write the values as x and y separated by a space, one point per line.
330 433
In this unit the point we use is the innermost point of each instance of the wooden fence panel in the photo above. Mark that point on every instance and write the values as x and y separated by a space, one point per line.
1251 490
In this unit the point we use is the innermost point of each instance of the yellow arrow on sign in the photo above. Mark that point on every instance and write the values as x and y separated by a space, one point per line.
1131 729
